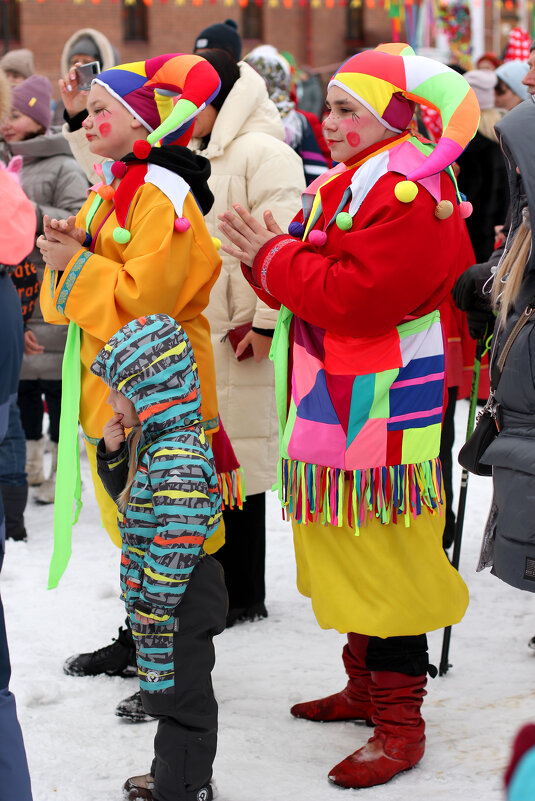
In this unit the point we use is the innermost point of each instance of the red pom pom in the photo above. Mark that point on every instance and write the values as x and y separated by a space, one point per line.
317 238
118 169
106 192
141 149
465 209
182 224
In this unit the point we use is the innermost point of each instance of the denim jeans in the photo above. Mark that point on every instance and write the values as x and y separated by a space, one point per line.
13 450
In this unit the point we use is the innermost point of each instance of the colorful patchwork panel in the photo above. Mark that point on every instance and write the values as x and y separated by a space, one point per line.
347 417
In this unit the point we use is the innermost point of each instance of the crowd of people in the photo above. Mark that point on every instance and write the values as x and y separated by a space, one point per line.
226 292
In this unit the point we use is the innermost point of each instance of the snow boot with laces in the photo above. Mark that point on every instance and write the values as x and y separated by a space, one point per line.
398 742
116 659
353 702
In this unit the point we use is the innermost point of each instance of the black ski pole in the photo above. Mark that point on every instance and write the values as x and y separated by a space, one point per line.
480 345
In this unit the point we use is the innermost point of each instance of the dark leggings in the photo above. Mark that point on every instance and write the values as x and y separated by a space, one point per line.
32 407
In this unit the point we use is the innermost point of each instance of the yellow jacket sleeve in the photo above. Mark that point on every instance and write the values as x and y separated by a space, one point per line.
158 271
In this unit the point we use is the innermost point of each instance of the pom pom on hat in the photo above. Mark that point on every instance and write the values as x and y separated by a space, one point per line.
444 209
465 209
121 235
221 36
106 192
141 149
33 97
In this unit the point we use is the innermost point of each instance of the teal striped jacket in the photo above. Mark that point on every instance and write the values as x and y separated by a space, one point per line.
174 502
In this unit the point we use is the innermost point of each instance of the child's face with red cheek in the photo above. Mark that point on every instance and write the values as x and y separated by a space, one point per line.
350 128
108 126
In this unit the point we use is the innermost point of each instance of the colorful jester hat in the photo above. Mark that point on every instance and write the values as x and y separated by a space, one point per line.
386 79
146 89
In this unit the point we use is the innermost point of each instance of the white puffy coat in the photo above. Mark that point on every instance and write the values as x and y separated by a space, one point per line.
252 166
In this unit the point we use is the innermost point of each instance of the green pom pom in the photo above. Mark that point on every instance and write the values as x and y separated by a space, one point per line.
122 236
344 221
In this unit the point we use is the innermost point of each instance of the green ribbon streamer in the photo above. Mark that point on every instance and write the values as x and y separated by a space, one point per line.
68 479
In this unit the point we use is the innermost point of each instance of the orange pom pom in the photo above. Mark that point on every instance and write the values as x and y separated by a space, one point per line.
106 192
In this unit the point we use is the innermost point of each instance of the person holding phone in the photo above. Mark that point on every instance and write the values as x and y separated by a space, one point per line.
83 47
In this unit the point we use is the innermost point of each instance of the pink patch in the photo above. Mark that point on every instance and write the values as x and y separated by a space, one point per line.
317 443
104 129
305 372
368 449
353 139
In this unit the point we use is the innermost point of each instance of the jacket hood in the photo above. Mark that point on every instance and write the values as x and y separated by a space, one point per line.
109 55
150 360
516 134
247 109
41 147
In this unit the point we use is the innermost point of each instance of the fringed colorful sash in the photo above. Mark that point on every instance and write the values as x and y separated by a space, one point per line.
361 435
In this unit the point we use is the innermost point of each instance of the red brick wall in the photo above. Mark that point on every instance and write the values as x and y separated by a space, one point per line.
315 36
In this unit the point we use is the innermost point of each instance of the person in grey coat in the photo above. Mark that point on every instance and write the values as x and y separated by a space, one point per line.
57 186
509 539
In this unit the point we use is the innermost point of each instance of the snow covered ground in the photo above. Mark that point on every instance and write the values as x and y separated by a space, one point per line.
79 751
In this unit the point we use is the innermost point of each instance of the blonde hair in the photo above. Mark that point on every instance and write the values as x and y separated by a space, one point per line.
124 497
510 272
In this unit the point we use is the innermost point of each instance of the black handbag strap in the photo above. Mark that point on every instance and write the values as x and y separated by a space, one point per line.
496 369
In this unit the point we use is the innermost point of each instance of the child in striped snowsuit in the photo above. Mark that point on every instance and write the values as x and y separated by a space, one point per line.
163 480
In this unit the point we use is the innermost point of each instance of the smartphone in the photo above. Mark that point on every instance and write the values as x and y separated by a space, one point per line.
85 74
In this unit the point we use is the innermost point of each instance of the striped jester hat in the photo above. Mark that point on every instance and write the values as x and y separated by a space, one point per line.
146 89
386 79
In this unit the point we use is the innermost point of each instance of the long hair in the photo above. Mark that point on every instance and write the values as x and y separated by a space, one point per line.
510 272
124 497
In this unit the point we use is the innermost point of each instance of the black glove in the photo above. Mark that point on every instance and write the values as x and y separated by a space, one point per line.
480 319
464 291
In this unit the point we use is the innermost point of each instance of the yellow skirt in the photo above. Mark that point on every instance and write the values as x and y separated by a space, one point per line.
385 581
108 508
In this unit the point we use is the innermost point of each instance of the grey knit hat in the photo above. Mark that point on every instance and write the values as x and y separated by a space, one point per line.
85 46
19 61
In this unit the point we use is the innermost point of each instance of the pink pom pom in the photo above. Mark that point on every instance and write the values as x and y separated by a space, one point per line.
465 209
182 224
317 238
118 169
141 149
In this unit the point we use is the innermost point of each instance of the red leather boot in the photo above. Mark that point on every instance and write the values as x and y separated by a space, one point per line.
398 742
353 702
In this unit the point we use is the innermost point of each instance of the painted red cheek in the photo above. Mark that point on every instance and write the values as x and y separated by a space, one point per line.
353 139
104 129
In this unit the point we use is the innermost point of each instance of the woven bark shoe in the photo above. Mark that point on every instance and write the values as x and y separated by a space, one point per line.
138 788
398 742
339 706
131 710
116 659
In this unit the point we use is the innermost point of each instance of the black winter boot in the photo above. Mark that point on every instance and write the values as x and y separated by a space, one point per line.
131 710
14 499
116 659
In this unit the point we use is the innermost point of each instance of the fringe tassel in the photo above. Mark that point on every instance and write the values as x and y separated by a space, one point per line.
312 493
232 489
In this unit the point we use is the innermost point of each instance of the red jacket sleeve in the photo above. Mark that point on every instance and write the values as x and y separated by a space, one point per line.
397 260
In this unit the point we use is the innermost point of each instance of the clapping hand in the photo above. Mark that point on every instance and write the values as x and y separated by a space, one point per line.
245 233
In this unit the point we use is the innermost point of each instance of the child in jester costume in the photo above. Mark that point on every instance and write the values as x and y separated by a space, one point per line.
359 363
138 246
